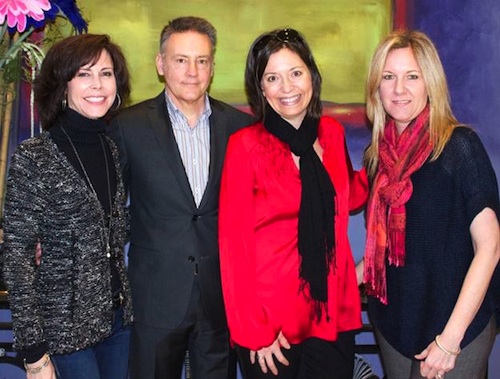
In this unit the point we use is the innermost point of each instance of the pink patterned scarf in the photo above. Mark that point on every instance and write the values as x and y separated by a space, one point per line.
400 156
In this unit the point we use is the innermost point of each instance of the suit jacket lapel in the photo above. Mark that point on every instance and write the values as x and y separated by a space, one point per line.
218 142
162 128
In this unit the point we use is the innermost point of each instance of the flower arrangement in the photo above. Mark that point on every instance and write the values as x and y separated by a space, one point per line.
20 18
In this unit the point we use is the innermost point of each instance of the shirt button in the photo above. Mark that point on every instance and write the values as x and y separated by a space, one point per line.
191 259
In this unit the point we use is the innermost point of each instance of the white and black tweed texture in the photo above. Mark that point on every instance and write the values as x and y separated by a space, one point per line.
66 301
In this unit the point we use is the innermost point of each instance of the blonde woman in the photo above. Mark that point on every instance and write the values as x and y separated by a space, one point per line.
432 220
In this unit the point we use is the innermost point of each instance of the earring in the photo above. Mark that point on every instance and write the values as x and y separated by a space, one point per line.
119 102
64 103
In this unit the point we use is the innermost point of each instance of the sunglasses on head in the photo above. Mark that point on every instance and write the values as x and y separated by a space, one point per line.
287 35
283 35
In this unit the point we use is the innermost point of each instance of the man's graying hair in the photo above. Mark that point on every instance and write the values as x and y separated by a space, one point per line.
189 24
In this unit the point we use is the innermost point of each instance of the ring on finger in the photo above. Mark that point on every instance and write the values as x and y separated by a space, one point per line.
439 376
261 358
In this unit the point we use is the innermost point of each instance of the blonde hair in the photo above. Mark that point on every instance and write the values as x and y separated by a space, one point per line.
441 118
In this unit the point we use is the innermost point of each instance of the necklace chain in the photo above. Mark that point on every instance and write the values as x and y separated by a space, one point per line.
107 226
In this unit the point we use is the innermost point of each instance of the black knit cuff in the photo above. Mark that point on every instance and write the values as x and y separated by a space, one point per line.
34 353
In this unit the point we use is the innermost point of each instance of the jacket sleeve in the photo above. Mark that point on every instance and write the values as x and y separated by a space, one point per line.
23 211
248 322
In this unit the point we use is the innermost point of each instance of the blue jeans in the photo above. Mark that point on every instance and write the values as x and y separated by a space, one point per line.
106 360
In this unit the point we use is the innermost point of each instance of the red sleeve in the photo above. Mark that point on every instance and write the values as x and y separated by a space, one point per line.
248 322
359 190
358 185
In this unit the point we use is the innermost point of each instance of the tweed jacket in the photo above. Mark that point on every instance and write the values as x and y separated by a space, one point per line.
66 301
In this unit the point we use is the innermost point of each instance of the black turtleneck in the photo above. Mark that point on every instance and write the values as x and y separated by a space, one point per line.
85 134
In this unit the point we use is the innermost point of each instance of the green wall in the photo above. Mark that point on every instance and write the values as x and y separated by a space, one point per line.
342 35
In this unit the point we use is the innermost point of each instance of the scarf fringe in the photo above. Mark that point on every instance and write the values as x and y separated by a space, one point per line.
397 247
318 307
396 235
374 274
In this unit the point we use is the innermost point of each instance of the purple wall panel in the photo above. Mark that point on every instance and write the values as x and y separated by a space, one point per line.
467 35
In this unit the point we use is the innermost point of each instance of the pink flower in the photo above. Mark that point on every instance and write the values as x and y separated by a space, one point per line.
17 12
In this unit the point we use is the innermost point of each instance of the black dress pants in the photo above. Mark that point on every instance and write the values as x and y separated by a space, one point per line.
314 358
158 353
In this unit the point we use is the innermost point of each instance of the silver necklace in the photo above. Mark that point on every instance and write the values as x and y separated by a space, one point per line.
107 227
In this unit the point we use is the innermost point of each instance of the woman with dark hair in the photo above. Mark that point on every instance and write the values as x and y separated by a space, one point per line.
433 238
288 186
70 308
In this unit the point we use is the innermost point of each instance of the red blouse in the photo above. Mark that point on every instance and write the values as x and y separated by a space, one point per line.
258 219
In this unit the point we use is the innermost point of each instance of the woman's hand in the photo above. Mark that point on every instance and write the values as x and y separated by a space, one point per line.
41 369
435 362
266 355
359 271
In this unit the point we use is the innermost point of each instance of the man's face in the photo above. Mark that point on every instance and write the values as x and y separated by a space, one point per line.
186 62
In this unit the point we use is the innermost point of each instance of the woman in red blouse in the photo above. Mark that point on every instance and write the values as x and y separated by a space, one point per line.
288 186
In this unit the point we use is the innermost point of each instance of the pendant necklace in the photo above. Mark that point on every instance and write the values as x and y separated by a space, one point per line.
105 237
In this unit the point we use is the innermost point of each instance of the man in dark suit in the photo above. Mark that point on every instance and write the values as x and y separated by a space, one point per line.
172 150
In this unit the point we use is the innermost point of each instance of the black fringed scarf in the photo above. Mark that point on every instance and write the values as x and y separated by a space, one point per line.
317 207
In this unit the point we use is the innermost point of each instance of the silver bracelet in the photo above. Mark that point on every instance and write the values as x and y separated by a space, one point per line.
36 370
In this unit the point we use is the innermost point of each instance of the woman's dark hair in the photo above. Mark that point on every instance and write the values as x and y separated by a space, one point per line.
62 62
258 56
